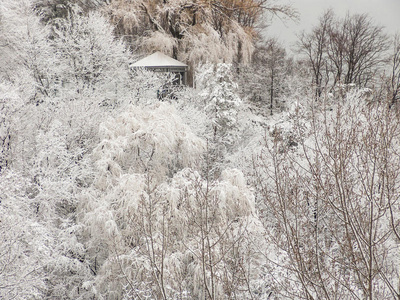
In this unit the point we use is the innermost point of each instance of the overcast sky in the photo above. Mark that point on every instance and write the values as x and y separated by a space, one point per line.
383 12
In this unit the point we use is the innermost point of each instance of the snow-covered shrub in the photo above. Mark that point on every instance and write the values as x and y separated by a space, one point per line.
22 252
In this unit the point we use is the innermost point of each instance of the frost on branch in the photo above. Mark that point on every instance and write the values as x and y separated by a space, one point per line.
90 60
155 228
183 238
151 139
221 101
332 202
29 56
21 250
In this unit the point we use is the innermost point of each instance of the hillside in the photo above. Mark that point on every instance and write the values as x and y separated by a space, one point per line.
271 178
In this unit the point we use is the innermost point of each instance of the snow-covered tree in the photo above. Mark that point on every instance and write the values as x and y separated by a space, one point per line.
22 250
221 101
155 227
26 48
11 104
52 102
264 81
90 61
218 31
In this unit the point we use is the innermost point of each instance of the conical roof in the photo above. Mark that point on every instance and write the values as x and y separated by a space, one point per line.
158 59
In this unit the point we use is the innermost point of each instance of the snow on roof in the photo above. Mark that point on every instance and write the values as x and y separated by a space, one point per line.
158 59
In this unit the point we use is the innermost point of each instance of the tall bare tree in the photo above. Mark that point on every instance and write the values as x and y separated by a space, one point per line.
363 43
395 72
344 51
314 45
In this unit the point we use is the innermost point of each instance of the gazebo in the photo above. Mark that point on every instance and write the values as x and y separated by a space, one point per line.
159 62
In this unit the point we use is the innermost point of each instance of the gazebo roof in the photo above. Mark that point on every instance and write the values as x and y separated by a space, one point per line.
158 59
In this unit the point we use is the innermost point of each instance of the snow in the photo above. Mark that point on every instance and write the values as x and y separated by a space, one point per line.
108 193
158 59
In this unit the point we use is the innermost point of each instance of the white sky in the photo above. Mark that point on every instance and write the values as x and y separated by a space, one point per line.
383 12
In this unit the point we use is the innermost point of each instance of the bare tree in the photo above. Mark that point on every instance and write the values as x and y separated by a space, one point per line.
344 51
395 72
314 46
363 43
331 203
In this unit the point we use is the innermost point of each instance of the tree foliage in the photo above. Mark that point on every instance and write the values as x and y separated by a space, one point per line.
51 104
